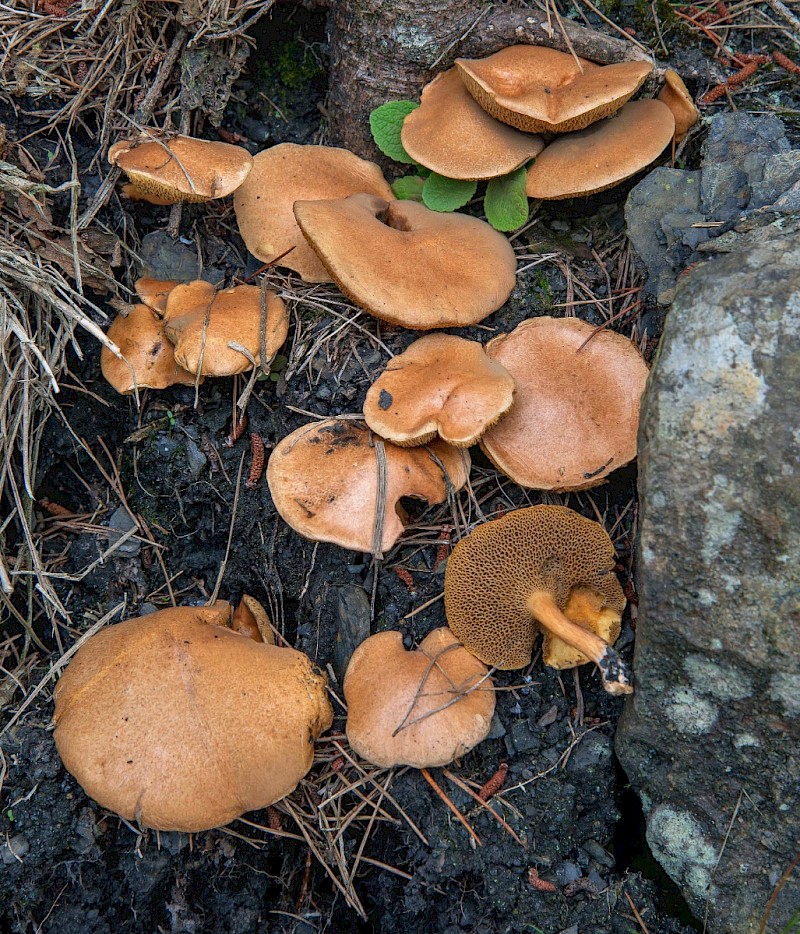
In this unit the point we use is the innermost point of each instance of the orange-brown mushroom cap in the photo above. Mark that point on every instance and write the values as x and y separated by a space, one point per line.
287 173
323 478
173 721
512 576
676 96
441 385
154 292
541 90
400 708
202 323
148 357
407 264
604 154
182 168
450 133
576 410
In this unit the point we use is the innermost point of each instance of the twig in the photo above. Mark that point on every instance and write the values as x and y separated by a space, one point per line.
432 782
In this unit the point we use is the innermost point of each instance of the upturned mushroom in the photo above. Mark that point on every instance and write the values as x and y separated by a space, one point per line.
542 568
177 722
205 325
287 173
148 358
181 168
441 385
407 264
604 154
325 480
450 133
575 415
423 708
676 96
541 90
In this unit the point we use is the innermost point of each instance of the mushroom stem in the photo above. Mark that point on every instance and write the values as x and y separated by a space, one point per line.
613 670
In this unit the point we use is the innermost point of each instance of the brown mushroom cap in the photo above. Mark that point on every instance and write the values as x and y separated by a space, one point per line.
154 292
541 90
202 322
397 701
576 410
407 264
604 154
511 574
676 96
287 173
181 168
149 358
180 724
450 133
441 385
323 478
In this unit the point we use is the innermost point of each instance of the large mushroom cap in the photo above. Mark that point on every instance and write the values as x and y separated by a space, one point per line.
407 264
287 173
541 90
323 478
182 168
676 96
180 724
202 323
450 133
149 358
441 385
512 573
400 708
604 154
576 410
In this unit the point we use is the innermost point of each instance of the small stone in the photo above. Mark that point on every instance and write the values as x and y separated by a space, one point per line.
353 616
197 460
599 854
122 521
14 849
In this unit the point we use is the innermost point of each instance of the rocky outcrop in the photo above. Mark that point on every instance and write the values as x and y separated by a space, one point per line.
711 738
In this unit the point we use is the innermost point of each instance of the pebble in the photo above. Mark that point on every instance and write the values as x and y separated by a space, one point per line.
353 618
197 460
122 521
13 850
598 853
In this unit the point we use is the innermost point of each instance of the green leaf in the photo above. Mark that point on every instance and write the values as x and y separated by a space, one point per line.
408 188
446 194
386 122
506 203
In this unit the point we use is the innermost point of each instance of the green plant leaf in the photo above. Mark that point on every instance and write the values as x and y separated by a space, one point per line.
386 122
408 188
506 203
446 194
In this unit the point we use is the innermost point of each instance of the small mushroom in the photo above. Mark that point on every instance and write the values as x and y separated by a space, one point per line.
576 409
676 96
441 385
604 154
324 481
541 90
544 567
179 723
450 133
407 264
181 168
287 173
204 323
423 708
154 292
148 358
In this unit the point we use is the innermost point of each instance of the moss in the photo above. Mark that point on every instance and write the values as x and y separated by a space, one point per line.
292 65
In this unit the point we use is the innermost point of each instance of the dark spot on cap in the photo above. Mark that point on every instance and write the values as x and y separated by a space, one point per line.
156 347
385 400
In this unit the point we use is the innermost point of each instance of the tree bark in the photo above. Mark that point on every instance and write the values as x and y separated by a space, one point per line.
385 50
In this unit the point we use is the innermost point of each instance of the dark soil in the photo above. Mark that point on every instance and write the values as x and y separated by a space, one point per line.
79 868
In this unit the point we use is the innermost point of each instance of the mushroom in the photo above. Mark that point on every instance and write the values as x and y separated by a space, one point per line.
422 708
148 358
604 154
441 385
407 264
541 90
676 96
203 324
287 173
450 133
154 292
542 565
576 410
324 481
179 723
181 168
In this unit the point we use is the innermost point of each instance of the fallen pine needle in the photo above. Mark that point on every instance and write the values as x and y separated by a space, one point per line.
476 796
432 782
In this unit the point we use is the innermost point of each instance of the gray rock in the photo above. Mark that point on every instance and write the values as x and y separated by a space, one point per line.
197 460
353 618
713 729
122 521
14 849
165 258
